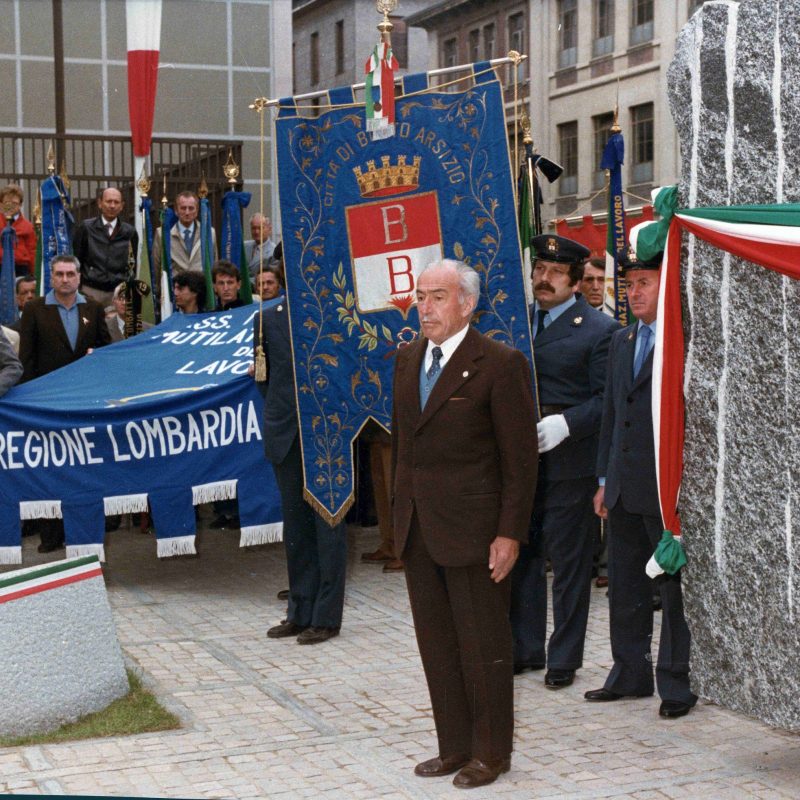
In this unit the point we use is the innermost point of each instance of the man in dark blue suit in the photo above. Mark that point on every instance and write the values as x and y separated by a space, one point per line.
570 347
628 498
316 553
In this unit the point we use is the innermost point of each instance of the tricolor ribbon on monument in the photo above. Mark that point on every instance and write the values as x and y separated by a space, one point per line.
767 235
361 218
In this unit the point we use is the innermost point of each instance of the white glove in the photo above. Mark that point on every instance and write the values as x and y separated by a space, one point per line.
552 431
653 569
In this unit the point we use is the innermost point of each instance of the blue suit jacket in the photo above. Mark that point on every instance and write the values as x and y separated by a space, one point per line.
570 358
280 403
626 456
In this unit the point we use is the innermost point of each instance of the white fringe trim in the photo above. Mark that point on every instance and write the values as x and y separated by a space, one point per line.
261 534
38 509
10 555
175 546
125 504
208 492
80 550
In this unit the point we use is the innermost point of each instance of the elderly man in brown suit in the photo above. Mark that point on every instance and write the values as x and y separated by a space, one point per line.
464 475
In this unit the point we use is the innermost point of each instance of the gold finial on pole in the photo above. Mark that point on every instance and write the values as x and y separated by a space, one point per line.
164 198
202 189
259 104
385 27
143 184
615 128
231 169
51 159
37 212
527 134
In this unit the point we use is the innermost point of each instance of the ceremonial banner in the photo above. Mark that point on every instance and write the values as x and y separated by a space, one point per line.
361 218
232 239
56 227
8 303
167 419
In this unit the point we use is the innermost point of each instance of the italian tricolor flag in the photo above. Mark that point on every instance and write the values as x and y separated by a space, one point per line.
380 69
767 235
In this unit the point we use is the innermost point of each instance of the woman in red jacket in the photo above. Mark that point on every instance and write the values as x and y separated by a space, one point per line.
11 198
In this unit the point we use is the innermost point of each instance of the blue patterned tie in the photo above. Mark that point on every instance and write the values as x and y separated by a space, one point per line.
541 314
188 236
435 366
644 349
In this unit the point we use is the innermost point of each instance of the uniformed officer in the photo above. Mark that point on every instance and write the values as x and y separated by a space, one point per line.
570 347
628 497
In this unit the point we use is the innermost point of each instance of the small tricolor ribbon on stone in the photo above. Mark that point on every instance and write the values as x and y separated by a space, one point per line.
379 69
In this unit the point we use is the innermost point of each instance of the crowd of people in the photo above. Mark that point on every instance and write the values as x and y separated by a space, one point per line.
478 492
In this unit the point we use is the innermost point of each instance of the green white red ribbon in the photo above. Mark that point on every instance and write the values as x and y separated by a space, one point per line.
767 235
380 68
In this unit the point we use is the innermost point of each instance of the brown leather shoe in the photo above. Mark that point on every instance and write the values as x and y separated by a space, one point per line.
376 557
395 565
436 767
481 773
285 629
314 635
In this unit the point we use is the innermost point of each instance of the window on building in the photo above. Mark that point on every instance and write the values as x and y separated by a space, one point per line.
314 58
475 45
449 53
601 125
339 46
488 41
641 21
400 41
567 33
642 130
603 42
568 156
516 41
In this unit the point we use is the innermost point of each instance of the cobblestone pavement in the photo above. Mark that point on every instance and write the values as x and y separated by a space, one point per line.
349 718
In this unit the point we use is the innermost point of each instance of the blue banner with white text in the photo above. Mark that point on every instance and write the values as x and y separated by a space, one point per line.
161 422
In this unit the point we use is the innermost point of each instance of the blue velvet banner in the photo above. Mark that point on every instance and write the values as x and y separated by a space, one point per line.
360 219
161 421
232 239
8 304
57 225
613 158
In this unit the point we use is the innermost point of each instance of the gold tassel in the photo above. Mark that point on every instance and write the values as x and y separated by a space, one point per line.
261 365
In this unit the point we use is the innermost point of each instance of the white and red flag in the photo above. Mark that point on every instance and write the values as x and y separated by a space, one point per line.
143 19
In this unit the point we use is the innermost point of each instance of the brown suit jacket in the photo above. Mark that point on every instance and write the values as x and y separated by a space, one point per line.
44 345
467 463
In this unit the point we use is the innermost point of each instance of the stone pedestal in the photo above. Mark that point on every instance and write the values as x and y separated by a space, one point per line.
734 90
60 658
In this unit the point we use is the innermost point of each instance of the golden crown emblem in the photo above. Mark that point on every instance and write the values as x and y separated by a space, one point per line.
388 178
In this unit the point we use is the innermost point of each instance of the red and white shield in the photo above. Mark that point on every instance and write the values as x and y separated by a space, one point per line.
391 241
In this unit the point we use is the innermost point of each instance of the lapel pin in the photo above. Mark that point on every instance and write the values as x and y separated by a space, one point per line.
465 374
577 320
85 320
279 308
630 336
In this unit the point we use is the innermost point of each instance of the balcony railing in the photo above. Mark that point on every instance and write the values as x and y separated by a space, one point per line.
93 162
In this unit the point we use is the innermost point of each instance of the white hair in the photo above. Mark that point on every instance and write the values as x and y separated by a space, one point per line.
469 282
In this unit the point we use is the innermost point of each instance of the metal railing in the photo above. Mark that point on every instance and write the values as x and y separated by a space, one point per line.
93 162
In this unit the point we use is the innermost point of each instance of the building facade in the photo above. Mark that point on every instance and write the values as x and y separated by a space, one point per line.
587 58
216 56
332 39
